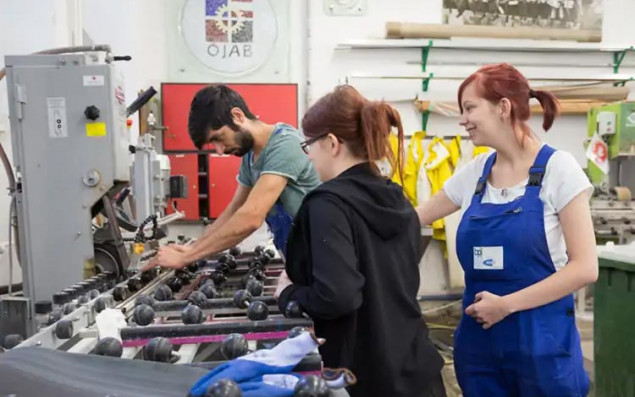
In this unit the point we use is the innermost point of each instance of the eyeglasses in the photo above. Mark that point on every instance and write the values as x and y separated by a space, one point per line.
306 144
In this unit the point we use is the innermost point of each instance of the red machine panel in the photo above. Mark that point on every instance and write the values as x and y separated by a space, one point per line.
186 164
271 103
222 182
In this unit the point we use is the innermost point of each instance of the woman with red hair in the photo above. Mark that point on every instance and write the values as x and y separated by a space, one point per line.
525 243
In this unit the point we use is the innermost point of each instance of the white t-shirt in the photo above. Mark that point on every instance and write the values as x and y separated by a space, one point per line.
563 181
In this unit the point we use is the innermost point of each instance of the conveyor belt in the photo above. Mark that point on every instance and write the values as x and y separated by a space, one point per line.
37 372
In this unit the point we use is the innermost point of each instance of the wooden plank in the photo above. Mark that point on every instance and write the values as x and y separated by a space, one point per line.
409 30
479 44
606 78
451 109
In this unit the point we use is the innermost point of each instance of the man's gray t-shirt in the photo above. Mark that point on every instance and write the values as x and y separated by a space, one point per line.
282 155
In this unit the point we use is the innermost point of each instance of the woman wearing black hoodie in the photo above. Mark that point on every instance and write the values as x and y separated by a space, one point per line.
353 253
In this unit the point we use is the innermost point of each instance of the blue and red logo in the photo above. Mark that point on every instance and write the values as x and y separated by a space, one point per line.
229 21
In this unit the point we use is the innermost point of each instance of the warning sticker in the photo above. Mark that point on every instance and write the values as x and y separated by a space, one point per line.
95 129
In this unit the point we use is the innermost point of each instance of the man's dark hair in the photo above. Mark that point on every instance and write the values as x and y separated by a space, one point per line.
211 109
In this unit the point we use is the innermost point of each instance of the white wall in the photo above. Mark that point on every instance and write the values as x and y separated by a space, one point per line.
140 28
136 28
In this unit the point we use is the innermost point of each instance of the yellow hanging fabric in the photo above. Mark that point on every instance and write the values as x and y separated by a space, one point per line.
439 170
455 150
410 169
414 157
479 150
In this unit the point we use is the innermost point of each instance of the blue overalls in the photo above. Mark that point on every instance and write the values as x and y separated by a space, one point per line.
279 222
502 249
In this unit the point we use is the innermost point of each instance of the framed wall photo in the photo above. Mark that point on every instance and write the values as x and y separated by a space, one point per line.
549 14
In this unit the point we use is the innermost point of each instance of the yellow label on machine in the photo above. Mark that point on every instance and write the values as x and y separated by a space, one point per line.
95 129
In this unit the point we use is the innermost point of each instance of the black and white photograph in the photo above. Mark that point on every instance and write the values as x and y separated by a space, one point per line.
564 14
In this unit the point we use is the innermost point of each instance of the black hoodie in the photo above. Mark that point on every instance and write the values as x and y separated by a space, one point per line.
353 256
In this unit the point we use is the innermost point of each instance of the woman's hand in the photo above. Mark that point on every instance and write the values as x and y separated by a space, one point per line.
488 309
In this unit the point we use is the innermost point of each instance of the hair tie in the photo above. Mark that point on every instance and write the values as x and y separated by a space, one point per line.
532 93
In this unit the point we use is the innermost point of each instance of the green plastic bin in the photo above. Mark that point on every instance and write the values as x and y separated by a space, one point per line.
614 323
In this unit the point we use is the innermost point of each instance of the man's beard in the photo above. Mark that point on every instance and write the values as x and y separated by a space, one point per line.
244 140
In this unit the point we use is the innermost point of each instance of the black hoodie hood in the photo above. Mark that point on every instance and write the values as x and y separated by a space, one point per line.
377 200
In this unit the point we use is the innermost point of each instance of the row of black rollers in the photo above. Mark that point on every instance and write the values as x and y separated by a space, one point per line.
257 308
160 349
66 301
70 298
192 312
89 289
252 283
223 265
64 327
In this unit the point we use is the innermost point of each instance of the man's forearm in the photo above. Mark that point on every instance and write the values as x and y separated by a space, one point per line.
233 231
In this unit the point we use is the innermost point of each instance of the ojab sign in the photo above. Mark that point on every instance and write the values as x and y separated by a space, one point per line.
230 36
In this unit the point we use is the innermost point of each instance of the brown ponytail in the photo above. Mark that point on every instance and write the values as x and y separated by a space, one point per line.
550 107
377 120
364 126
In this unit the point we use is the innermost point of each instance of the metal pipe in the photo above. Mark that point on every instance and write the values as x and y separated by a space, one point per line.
244 327
221 303
239 262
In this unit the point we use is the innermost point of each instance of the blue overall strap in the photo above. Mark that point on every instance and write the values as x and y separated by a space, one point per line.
537 171
481 185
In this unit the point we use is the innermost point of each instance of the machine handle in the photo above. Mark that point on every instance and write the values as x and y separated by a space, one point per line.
140 101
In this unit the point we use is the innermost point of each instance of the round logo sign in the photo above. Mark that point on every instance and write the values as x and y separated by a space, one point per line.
229 36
